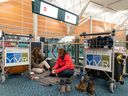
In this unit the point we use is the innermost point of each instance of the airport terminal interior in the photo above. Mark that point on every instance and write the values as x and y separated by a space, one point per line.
63 47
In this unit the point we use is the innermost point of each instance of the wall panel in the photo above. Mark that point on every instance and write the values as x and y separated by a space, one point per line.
18 14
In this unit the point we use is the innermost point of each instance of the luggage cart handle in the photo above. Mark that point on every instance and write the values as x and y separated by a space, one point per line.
102 33
6 34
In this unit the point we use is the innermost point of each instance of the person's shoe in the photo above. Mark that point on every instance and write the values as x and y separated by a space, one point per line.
81 86
68 85
62 86
122 82
52 75
90 88
86 78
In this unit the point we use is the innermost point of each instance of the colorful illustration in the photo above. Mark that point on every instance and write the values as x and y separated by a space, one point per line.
16 56
93 60
105 61
90 59
24 57
10 58
97 60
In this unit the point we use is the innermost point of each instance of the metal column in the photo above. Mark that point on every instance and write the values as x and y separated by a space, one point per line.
91 24
46 48
77 51
35 26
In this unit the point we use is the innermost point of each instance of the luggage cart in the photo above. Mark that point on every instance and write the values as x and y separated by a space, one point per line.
120 48
13 54
100 59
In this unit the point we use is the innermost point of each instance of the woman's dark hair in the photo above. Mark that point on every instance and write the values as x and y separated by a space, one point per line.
35 52
62 51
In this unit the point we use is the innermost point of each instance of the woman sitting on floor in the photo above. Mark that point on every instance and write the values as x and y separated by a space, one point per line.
38 62
64 66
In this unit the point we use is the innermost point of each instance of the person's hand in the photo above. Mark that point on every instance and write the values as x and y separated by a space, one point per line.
53 68
53 71
40 66
56 74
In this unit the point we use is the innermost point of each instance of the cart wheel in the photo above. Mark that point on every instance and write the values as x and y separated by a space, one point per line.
3 79
122 82
112 86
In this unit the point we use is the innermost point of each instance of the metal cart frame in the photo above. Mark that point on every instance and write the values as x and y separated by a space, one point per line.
112 81
3 73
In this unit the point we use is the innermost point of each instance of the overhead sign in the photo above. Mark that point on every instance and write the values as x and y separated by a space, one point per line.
70 18
48 10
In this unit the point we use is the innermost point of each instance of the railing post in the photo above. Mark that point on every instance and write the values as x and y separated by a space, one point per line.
46 48
77 51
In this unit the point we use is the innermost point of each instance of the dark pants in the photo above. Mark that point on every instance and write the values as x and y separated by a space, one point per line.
66 73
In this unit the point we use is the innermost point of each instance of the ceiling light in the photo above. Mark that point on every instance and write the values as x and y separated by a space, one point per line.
3 1
66 39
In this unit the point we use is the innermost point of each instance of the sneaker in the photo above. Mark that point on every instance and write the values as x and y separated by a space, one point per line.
81 86
90 88
62 86
122 82
52 75
68 85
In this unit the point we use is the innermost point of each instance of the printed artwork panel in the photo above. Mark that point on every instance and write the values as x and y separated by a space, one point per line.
90 59
24 57
105 61
10 58
97 60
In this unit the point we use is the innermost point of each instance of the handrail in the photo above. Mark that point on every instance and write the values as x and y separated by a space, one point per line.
84 34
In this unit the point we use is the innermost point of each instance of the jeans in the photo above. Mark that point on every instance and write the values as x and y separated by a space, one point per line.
66 73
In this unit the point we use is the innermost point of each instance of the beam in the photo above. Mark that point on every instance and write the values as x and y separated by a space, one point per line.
117 28
83 21
113 3
91 24
84 8
108 8
35 26
71 28
76 5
